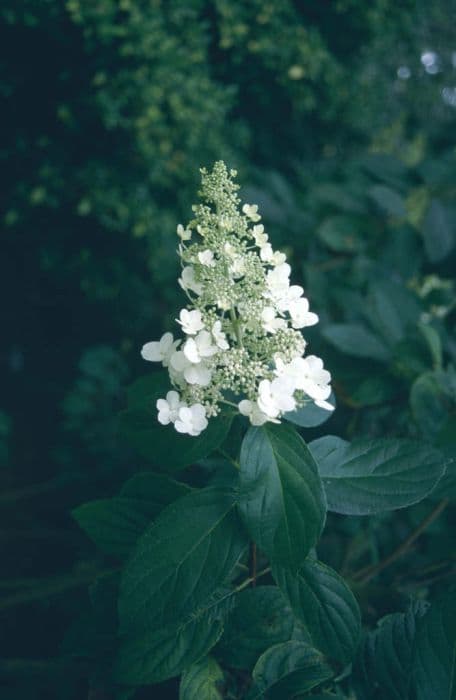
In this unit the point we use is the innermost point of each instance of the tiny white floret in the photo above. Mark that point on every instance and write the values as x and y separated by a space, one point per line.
251 211
219 336
184 233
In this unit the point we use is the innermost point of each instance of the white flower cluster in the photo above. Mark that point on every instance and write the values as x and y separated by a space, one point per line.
242 344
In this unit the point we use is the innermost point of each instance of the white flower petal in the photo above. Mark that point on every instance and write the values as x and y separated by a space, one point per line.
151 352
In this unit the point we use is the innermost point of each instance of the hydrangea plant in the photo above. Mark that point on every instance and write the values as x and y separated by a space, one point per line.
243 344
219 580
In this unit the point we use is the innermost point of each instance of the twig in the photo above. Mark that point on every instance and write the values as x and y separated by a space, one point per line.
368 572
253 563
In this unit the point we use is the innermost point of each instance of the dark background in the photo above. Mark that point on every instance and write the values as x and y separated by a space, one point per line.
340 118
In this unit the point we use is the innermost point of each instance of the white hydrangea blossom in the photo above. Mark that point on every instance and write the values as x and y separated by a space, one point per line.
243 345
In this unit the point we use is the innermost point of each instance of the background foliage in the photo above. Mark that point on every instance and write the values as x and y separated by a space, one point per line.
340 119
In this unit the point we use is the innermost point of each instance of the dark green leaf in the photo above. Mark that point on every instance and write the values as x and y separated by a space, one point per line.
322 601
383 666
260 618
281 497
371 476
166 448
202 681
156 489
310 416
288 670
165 651
114 524
434 662
356 340
181 560
439 231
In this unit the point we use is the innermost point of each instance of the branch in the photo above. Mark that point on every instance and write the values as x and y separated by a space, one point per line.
364 575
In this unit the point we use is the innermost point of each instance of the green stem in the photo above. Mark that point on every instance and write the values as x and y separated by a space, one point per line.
235 324
251 579
228 457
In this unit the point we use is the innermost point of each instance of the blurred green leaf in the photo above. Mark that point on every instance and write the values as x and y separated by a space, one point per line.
429 404
356 340
388 200
341 233
439 231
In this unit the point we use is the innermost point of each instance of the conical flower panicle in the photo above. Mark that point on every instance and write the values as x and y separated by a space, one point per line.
242 323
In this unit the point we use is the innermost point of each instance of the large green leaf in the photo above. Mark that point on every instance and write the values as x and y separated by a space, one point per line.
114 524
371 476
161 444
321 600
356 340
180 561
202 681
260 618
287 670
434 662
163 652
310 415
281 497
383 665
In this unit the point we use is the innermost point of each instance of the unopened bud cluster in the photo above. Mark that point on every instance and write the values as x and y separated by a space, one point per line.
242 341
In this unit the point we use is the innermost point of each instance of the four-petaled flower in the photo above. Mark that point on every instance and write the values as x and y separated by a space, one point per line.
160 351
168 408
251 212
191 321
191 419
